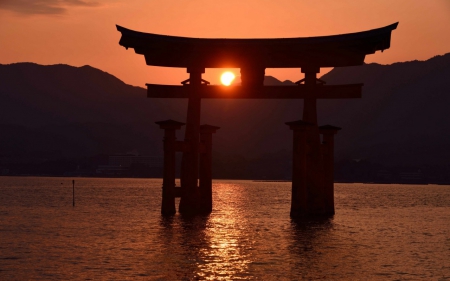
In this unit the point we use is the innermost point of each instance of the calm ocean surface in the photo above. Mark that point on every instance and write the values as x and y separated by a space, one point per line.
115 232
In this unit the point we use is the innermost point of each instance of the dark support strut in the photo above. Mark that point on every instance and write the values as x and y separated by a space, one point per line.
328 133
299 196
206 132
168 188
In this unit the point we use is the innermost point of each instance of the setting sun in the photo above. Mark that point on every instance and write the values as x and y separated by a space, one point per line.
227 78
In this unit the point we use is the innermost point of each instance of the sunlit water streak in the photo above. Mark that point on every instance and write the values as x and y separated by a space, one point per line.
115 231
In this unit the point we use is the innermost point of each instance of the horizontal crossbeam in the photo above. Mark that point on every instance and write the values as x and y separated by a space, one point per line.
262 92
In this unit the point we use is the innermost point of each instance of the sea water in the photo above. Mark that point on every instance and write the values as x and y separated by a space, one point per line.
116 232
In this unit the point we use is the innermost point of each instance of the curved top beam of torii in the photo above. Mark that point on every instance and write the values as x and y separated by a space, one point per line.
323 51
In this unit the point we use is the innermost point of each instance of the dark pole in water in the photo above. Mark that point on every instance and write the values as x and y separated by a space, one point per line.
168 188
73 193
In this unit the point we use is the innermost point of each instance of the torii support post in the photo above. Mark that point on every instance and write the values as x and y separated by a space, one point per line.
299 194
328 133
189 202
168 188
206 132
314 180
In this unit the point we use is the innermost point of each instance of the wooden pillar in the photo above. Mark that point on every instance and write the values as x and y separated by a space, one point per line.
328 133
206 132
168 188
299 195
252 75
310 103
314 180
189 202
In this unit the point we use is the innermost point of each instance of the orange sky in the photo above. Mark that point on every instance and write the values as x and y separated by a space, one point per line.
80 32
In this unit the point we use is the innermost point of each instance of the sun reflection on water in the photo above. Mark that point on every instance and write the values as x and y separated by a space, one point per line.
227 255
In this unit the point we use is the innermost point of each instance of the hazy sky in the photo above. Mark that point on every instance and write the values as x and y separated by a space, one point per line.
80 32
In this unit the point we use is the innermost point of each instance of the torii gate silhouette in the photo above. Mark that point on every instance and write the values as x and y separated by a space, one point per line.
312 173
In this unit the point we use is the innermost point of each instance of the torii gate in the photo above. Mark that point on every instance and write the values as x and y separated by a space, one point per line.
312 174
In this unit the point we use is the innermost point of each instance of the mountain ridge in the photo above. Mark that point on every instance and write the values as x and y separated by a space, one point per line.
80 111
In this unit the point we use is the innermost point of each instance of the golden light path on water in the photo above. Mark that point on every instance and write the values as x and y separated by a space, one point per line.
226 254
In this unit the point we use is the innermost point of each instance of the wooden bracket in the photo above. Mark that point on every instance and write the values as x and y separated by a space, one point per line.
187 81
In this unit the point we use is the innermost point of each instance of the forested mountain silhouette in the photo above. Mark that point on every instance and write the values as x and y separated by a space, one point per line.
69 111
77 111
402 117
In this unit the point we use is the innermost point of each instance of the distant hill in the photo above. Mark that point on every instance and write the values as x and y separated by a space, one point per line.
402 118
268 81
77 111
